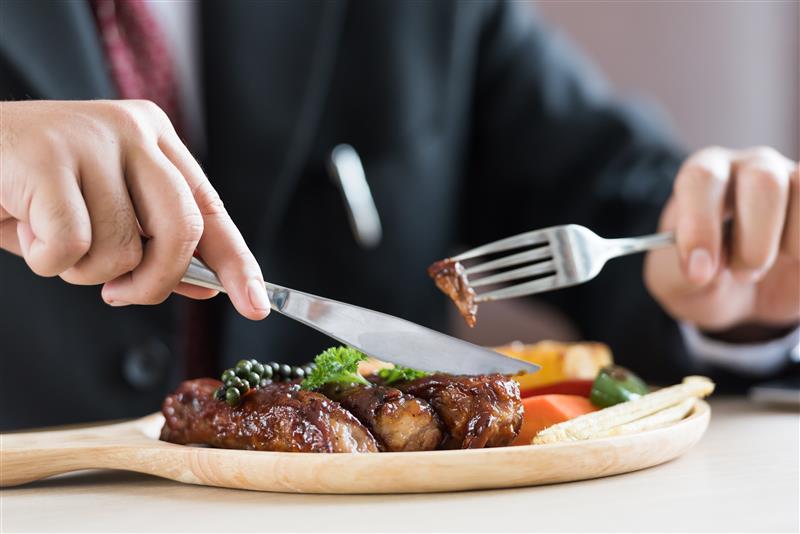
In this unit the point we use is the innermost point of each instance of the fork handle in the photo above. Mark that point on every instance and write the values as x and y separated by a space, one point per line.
632 245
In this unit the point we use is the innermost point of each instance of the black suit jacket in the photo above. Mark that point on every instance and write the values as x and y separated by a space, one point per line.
474 121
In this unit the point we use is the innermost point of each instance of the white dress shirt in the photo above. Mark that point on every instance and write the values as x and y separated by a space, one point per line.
753 359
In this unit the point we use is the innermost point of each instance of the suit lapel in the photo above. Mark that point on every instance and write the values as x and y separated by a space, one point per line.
54 48
268 68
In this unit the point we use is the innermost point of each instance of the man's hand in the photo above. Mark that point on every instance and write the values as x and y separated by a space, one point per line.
104 192
750 278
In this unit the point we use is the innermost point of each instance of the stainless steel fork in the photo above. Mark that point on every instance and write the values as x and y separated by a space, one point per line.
555 257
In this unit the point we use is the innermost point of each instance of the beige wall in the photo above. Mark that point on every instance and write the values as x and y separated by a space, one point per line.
727 72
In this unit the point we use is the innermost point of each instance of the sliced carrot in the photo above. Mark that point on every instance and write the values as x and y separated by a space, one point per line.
542 411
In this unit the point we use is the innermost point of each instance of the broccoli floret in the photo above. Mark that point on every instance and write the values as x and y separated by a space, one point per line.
337 365
398 373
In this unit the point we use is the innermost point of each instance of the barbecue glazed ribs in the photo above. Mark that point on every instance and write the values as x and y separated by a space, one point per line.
477 411
278 417
434 412
398 421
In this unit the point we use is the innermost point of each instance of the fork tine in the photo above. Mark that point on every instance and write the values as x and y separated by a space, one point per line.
536 237
520 290
515 274
508 261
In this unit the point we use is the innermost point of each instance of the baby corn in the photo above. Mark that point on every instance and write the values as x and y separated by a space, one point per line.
598 423
658 419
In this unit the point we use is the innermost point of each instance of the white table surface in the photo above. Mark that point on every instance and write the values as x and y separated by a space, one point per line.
742 476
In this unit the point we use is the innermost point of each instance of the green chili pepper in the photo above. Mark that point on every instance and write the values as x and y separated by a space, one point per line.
616 384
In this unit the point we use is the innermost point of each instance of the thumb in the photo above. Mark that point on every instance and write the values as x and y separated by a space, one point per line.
699 198
664 271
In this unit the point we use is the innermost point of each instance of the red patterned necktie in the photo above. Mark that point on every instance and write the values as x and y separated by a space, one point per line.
137 54
141 67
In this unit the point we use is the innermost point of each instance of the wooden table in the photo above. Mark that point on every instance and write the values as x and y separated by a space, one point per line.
743 476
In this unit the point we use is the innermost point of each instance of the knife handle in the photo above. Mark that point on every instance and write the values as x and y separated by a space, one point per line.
198 274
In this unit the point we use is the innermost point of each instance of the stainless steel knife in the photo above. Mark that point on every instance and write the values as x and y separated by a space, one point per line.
376 334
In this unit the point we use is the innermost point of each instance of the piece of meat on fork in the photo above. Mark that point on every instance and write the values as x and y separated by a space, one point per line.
278 417
477 411
399 422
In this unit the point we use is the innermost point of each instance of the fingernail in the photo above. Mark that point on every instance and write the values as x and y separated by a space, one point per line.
700 266
117 303
257 295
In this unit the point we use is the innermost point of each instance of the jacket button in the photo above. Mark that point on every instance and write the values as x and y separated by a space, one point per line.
145 366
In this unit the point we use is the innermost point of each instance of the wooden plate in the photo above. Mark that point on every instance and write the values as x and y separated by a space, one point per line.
134 446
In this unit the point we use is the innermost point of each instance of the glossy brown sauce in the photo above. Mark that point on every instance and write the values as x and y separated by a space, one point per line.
451 279
278 417
433 412
399 422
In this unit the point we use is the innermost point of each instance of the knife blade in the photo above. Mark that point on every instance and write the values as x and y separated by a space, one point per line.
377 334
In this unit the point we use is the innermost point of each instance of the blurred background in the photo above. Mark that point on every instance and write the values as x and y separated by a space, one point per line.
725 72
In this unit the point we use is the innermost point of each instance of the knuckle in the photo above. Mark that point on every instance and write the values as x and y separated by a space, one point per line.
140 120
121 242
765 180
51 146
697 225
696 175
128 257
73 247
119 109
75 239
154 113
711 151
128 119
148 106
190 229
208 200
244 258
766 153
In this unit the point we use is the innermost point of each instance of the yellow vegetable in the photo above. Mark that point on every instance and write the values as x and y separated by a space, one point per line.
558 361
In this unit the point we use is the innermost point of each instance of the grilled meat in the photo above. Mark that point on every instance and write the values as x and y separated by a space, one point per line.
279 417
451 278
398 421
477 411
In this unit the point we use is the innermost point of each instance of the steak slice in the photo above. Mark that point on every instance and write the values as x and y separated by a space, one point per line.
278 417
477 411
451 278
398 421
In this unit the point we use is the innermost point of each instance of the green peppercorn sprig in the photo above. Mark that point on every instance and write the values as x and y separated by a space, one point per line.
251 374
